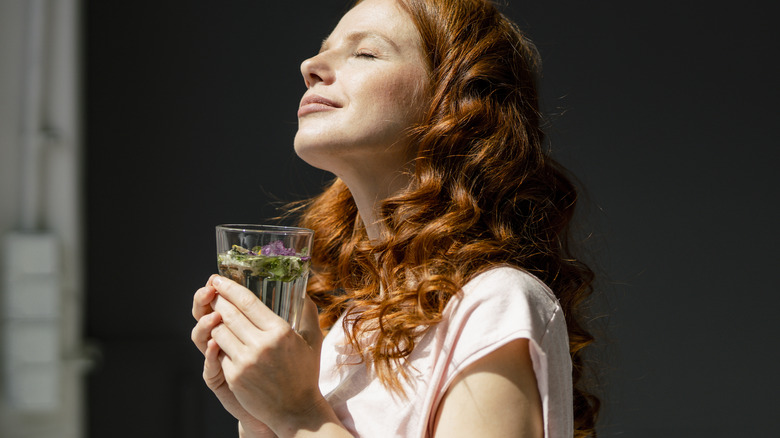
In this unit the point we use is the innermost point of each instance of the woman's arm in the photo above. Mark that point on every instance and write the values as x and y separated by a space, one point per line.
497 396
270 370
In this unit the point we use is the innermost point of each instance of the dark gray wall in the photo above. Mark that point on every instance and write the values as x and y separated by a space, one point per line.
666 112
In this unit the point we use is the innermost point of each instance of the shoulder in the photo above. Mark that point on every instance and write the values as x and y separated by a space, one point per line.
507 291
509 280
494 308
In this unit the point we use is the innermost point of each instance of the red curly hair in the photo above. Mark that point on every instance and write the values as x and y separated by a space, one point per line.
484 192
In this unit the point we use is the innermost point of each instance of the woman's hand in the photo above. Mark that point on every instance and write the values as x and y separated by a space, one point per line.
212 370
272 372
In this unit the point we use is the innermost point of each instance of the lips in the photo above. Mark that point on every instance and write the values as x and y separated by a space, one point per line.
314 103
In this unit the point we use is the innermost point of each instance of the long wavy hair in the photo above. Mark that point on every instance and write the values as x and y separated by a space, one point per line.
484 192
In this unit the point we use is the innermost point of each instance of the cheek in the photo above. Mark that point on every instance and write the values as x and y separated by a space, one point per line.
398 97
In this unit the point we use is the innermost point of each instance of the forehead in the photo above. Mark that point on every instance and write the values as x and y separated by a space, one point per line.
384 19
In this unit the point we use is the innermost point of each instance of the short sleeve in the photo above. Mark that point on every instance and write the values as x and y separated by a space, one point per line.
495 308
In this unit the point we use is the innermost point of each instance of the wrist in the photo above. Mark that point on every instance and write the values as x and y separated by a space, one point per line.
318 420
249 432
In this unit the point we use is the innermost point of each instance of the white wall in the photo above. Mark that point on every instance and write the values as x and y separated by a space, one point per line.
61 204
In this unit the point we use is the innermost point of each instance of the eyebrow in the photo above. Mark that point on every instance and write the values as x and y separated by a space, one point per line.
360 35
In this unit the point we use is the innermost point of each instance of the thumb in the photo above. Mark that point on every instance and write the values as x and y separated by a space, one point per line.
310 325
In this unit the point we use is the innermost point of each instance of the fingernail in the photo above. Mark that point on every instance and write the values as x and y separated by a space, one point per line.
216 281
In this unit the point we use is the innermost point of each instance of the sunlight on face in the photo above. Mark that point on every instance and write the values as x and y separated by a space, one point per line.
366 88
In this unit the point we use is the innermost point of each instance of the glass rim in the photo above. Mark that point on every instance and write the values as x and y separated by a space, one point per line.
258 228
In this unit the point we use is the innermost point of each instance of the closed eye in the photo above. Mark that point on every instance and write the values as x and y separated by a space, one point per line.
362 54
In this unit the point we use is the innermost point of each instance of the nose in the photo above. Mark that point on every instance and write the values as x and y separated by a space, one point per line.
316 70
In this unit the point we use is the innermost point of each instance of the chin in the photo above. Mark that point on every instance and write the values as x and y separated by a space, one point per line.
312 153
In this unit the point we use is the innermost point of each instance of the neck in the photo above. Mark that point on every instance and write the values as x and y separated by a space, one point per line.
369 188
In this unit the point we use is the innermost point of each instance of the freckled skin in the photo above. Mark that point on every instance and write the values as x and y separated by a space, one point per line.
371 80
372 66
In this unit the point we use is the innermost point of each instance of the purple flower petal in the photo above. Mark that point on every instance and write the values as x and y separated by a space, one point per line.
276 248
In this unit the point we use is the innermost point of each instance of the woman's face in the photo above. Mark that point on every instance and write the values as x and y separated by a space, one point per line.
365 88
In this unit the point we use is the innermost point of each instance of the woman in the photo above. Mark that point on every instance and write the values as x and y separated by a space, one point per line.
435 247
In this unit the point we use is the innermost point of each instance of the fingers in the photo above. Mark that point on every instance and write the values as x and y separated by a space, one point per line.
212 370
227 341
239 324
201 333
201 301
245 301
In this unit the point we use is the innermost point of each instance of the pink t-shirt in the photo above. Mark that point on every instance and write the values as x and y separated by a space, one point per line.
496 307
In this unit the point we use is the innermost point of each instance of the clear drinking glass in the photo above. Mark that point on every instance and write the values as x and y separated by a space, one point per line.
271 261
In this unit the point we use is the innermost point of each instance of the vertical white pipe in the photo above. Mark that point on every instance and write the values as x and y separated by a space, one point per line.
63 200
32 81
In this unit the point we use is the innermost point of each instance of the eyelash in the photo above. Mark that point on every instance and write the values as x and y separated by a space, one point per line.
368 55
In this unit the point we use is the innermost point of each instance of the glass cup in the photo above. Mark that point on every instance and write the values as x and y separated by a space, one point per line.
271 261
